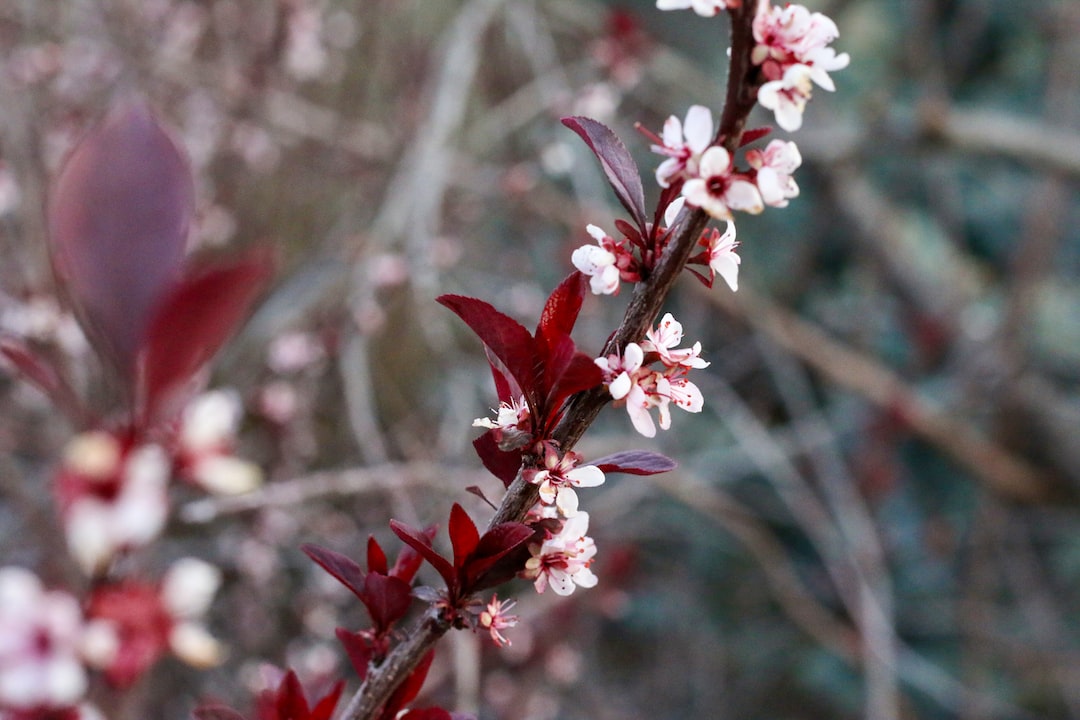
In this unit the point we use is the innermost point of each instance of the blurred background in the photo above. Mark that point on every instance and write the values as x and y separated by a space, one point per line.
875 516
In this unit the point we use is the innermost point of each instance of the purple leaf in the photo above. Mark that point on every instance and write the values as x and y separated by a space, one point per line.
618 165
421 543
118 217
347 571
387 599
562 308
500 463
358 648
409 561
507 339
463 534
635 462
581 373
495 545
196 318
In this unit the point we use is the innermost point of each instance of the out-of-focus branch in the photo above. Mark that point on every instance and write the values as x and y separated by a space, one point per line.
1003 472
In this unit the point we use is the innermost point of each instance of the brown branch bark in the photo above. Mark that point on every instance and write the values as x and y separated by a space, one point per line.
582 409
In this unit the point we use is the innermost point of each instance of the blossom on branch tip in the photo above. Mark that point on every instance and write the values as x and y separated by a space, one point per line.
511 424
775 166
683 143
704 8
718 189
723 260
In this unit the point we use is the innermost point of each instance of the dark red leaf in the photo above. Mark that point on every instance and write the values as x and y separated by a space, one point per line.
500 463
387 599
118 216
324 709
216 712
290 701
347 571
40 372
376 558
506 388
636 462
358 648
196 318
421 543
581 374
494 546
562 308
753 134
619 167
409 689
507 339
409 561
463 534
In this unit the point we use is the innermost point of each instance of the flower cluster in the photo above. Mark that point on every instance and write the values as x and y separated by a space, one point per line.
631 380
563 559
113 488
607 263
792 50
48 643
560 475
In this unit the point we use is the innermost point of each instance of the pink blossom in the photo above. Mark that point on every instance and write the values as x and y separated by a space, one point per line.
562 561
683 144
559 477
511 424
704 8
717 190
205 440
40 633
723 260
788 96
606 263
112 497
664 340
775 165
496 618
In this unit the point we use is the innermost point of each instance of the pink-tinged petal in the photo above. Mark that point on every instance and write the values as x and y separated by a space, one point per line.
699 128
620 386
743 195
567 502
715 161
637 407
586 476
606 282
686 395
667 170
672 134
561 582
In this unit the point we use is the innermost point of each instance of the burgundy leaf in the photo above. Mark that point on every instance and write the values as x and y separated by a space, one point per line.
500 463
506 388
118 217
753 134
324 709
347 572
618 165
216 712
196 319
409 561
581 374
409 689
560 352
40 372
376 558
387 599
290 701
358 648
422 544
508 340
635 462
562 308
463 534
496 544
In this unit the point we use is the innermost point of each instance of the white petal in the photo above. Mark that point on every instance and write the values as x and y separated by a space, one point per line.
633 356
195 646
620 386
699 128
743 195
586 476
672 134
673 210
672 4
189 587
715 161
567 502
227 475
727 267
